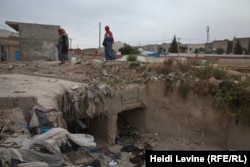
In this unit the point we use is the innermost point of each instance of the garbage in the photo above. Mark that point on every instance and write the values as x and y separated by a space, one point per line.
74 87
94 150
53 140
113 163
43 130
138 157
17 156
113 155
32 164
93 163
129 148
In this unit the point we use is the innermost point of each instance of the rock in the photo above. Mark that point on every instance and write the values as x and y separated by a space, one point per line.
213 81
104 72
19 91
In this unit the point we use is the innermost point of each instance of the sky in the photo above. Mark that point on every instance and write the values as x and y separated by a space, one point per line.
135 22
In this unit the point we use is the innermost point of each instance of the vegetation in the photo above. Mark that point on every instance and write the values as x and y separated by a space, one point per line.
200 50
127 50
220 51
131 58
209 70
228 93
238 48
183 66
184 88
174 46
168 61
232 98
219 73
229 47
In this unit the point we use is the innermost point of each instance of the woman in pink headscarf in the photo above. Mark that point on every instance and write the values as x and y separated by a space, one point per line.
107 43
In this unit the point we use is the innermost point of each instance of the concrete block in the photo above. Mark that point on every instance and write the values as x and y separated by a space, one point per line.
7 102
25 103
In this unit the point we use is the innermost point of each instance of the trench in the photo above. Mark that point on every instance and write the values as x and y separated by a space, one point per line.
145 109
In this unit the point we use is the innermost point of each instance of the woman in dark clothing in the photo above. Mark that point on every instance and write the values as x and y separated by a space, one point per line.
63 45
107 43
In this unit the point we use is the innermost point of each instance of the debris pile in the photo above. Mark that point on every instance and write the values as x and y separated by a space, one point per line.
90 98
38 137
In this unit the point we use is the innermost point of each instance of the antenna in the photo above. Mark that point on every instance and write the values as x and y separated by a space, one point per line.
207 34
99 49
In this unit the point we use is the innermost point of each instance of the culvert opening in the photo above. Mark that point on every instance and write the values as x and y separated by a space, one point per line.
123 129
130 125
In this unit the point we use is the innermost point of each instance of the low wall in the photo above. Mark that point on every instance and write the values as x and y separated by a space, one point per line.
193 118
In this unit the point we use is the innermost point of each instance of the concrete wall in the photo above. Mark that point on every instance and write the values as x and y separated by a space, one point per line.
191 47
220 44
153 109
239 135
25 103
38 41
193 118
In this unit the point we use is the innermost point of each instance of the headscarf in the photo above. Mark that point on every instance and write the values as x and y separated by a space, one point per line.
107 29
62 32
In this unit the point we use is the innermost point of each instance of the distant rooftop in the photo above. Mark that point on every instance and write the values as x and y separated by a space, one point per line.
6 33
15 25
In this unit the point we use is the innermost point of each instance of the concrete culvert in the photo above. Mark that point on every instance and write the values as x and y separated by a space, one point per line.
130 125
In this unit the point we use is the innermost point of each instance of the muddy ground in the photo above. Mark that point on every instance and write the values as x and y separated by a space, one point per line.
89 70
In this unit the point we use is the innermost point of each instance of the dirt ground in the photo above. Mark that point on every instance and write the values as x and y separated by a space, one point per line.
89 70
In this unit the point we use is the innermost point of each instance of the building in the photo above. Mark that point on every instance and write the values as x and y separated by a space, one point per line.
9 46
191 48
245 44
90 51
220 44
208 47
37 41
164 48
152 48
6 33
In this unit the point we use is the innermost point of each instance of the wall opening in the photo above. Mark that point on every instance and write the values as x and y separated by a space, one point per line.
96 126
124 128
130 125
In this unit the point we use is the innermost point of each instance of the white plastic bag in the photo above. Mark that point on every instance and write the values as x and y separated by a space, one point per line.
82 139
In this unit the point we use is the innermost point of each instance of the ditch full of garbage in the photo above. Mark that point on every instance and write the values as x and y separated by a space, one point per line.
40 138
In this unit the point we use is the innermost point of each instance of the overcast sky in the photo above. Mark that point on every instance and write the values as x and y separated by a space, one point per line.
136 22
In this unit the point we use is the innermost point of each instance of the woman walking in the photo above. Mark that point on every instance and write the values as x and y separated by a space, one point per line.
108 43
63 46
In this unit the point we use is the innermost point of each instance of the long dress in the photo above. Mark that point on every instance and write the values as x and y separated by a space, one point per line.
108 42
62 48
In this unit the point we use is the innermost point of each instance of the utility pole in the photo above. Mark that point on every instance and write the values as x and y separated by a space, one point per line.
207 46
70 43
178 46
99 49
207 34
